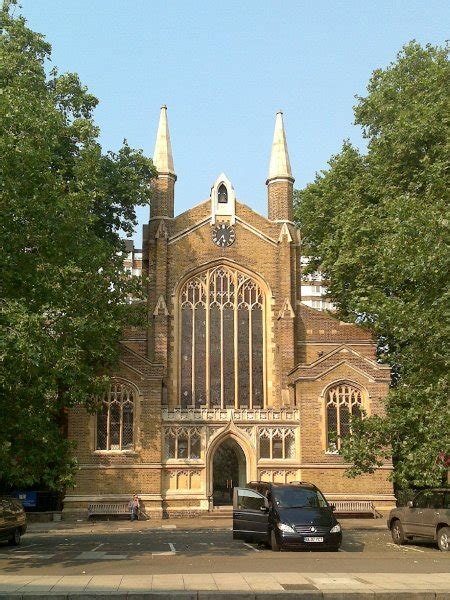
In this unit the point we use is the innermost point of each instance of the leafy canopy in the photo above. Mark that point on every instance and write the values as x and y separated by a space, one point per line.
376 224
64 292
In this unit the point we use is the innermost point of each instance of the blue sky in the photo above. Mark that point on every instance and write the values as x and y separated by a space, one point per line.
224 68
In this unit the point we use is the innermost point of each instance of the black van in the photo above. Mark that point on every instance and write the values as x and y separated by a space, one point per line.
292 515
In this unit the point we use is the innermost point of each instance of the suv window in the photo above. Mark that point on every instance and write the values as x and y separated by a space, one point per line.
296 497
447 500
421 500
435 500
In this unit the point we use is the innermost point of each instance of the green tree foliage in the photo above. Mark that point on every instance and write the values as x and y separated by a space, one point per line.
376 224
64 294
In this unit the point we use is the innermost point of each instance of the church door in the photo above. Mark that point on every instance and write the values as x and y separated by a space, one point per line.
229 471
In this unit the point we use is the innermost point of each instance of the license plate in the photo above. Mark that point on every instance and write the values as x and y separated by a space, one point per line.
313 539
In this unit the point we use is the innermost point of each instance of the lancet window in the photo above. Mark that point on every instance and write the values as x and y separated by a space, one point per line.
115 419
276 442
182 442
342 401
222 340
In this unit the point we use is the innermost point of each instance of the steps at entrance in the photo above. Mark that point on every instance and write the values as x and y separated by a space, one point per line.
219 512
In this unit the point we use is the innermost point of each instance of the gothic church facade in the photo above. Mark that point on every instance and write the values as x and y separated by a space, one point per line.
231 379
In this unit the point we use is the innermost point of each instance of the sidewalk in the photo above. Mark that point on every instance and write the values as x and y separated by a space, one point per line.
380 586
116 525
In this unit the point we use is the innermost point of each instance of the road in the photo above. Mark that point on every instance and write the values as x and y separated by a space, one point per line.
133 549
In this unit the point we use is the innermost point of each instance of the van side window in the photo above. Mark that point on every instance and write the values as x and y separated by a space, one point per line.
247 499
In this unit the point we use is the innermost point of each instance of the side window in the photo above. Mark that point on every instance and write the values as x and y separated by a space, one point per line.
447 500
247 499
421 500
435 500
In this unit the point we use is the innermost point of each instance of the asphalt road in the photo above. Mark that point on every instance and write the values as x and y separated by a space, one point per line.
134 550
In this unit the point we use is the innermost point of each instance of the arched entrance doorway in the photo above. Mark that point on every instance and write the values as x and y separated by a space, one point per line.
229 471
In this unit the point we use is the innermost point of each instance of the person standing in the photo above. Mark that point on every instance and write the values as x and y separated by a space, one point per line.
134 508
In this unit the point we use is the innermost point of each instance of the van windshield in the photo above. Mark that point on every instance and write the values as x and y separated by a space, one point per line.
294 497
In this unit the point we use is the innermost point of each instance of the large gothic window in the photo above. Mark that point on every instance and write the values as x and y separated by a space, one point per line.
222 332
342 402
115 418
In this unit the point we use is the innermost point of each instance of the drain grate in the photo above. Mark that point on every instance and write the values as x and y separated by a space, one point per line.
298 586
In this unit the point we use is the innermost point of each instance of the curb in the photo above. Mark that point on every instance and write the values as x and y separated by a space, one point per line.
309 594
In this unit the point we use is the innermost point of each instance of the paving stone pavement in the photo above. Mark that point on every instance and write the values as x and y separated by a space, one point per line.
330 586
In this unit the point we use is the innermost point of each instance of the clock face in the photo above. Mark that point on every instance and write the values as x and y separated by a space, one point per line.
223 235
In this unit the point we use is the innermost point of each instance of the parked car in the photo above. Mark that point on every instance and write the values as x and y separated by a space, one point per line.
293 515
426 517
13 521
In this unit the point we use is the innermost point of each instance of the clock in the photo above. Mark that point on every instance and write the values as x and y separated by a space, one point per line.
223 235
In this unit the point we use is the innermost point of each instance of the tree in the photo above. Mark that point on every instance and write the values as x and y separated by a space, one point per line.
376 224
64 295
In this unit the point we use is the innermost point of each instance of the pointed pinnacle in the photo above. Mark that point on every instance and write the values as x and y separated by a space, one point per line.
280 166
162 156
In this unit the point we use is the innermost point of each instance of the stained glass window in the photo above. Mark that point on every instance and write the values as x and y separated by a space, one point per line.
182 442
222 333
116 418
342 402
276 442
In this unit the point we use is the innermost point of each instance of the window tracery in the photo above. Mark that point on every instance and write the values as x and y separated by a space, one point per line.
115 420
222 331
182 442
342 402
276 443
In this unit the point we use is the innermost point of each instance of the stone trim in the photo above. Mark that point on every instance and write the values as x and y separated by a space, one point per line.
224 415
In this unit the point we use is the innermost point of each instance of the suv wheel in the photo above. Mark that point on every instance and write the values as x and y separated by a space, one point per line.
14 540
398 535
443 539
274 542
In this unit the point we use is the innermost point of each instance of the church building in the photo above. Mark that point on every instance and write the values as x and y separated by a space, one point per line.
231 378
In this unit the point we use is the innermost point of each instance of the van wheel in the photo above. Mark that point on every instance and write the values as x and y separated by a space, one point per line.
14 540
443 539
274 542
398 535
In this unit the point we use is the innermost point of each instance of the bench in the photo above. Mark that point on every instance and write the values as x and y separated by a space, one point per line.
108 508
355 507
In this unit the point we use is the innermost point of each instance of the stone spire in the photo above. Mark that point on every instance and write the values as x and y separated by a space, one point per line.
280 181
162 156
162 204
280 166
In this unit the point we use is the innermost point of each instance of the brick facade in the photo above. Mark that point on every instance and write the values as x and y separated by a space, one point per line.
305 352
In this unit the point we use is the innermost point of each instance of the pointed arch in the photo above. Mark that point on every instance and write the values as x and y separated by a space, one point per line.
223 199
230 432
343 400
115 421
222 332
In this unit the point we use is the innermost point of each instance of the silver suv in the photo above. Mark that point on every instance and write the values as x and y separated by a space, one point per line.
426 517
